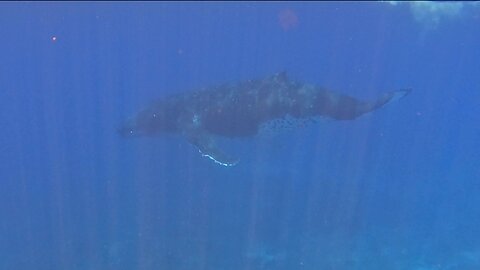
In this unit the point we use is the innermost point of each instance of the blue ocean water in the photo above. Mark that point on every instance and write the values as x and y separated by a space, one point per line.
395 189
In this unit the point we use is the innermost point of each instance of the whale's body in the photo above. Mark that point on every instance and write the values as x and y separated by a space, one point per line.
240 109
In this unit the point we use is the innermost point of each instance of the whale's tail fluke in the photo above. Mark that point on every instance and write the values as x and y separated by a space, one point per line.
348 108
386 98
396 95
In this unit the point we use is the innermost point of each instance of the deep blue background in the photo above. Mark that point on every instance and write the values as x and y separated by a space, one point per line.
396 189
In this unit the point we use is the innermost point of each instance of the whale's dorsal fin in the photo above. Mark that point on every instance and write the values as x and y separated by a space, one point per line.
207 147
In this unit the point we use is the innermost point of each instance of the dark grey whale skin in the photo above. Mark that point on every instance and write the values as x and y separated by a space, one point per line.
239 109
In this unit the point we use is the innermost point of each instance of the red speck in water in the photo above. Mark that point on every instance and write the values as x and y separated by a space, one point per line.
287 19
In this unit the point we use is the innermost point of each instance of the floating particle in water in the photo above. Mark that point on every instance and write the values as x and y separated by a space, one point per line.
288 19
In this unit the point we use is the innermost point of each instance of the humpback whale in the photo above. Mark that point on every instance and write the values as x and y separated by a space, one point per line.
240 109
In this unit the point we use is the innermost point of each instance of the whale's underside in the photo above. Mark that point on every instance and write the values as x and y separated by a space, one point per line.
240 109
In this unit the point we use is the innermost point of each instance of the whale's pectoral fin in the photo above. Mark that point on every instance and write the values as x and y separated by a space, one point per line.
207 147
